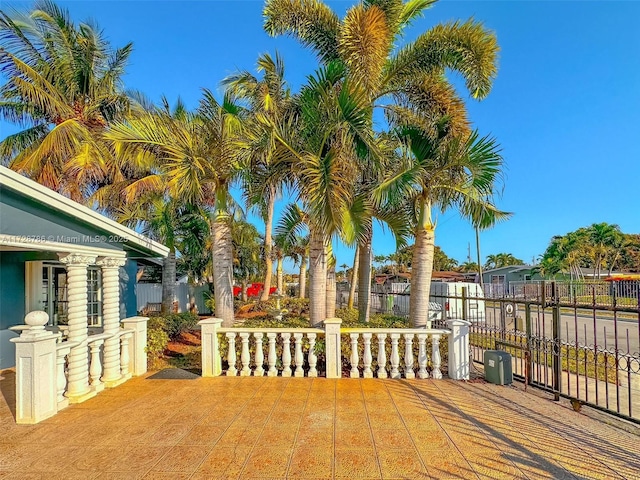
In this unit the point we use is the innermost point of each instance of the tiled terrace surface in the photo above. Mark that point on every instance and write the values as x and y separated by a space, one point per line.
314 428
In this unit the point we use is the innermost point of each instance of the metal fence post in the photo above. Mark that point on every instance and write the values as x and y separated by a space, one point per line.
464 303
527 352
556 360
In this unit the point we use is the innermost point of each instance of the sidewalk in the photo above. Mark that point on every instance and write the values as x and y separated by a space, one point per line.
303 428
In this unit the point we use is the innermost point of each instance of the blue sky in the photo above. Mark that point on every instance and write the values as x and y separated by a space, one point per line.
565 106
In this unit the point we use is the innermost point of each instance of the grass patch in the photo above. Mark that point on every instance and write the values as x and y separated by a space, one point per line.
601 366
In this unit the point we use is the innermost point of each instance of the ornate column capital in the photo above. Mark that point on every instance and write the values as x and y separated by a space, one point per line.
77 258
111 262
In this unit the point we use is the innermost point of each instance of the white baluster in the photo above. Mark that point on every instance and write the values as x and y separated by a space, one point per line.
312 358
366 357
408 356
95 370
286 355
271 360
395 357
299 357
231 355
435 357
422 356
382 355
355 373
244 355
124 354
61 359
259 371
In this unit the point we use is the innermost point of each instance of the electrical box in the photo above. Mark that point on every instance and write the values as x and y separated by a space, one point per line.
497 367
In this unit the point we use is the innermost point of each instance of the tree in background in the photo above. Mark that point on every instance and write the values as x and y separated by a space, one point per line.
442 262
500 260
468 267
269 101
599 246
247 252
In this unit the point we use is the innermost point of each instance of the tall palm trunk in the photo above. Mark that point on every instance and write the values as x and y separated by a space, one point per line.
223 269
317 278
354 277
422 267
169 281
268 234
364 278
331 292
302 277
280 276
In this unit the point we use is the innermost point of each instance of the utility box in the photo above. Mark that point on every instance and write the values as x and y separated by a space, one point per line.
497 367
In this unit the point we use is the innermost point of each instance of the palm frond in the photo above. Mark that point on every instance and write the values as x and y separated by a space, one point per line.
310 21
467 48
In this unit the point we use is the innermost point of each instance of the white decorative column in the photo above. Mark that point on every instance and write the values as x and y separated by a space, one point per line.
211 360
459 364
111 319
78 389
36 373
137 346
333 347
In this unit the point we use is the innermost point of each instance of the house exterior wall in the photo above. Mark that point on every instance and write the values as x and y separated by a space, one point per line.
128 289
26 219
510 275
30 222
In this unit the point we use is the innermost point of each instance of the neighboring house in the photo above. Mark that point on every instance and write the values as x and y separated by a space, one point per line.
64 258
497 280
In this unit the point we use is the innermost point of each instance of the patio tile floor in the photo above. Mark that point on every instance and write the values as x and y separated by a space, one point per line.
302 428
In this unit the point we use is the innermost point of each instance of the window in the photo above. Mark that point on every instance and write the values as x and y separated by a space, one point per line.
498 279
94 297
47 290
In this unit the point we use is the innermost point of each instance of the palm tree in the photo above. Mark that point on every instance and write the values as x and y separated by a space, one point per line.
318 146
406 83
500 260
246 253
604 239
64 82
468 267
442 173
196 159
269 101
158 218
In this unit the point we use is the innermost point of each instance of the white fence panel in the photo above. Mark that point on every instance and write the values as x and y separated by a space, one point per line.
152 293
148 293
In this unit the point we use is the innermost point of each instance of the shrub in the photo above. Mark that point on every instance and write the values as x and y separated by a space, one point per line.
296 306
157 341
173 324
178 323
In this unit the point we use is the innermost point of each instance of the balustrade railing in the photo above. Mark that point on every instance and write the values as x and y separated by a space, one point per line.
279 358
43 385
364 352
415 360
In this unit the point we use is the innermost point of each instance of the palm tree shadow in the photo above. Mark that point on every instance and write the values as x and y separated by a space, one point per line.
527 457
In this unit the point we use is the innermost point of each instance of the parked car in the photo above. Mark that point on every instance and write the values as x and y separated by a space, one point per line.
446 298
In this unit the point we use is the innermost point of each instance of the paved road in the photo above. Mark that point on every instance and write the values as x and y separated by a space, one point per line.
581 328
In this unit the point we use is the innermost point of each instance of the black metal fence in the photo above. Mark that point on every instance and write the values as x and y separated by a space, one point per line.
579 341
